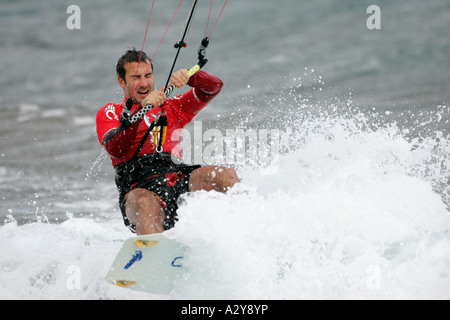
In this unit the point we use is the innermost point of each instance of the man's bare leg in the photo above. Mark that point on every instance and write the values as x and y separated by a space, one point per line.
145 212
211 178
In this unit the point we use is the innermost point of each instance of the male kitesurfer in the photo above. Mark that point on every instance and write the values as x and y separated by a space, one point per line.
148 180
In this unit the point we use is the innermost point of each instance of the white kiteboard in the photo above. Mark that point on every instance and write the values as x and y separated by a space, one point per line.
149 263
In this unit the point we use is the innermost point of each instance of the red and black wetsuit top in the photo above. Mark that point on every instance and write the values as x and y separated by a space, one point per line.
180 111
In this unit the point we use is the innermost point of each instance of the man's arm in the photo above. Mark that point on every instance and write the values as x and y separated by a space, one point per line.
115 142
206 85
205 88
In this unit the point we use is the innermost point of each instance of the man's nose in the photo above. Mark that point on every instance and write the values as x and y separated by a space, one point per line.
142 82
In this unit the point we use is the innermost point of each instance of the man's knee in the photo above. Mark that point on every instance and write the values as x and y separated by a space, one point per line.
139 198
214 178
140 204
228 176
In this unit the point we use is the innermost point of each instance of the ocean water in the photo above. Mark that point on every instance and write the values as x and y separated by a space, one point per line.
355 201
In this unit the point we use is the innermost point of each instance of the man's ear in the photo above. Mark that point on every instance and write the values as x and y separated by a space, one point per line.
122 82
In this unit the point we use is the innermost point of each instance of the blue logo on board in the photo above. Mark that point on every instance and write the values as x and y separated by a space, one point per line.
136 257
175 262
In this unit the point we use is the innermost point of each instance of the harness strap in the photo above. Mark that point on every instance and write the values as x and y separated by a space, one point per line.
161 121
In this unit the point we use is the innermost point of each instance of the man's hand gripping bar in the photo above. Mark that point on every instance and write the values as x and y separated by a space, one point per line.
201 63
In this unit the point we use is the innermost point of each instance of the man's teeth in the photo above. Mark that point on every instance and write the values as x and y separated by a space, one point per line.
143 92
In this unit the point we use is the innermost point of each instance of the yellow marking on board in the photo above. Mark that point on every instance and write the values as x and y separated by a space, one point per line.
146 243
124 283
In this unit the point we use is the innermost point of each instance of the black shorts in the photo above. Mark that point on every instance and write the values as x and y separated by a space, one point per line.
158 174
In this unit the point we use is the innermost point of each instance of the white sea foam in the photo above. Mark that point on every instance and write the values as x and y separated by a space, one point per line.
352 214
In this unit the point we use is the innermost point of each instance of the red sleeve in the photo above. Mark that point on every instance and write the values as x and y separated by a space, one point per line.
206 87
116 143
